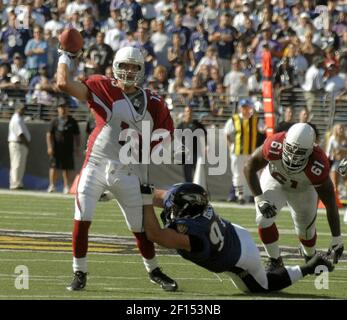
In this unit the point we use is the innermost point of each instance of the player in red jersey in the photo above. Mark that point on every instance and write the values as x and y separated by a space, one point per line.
118 103
296 173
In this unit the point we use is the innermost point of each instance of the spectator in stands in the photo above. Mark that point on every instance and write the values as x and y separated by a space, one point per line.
5 78
11 88
111 22
18 143
36 51
176 54
298 61
209 15
314 81
63 143
284 77
223 37
129 41
198 44
114 36
215 78
55 25
190 20
43 93
241 132
159 81
161 42
78 6
42 74
210 59
284 33
264 38
340 27
148 9
146 47
18 69
336 150
288 121
197 95
305 117
131 13
12 39
193 125
255 82
310 50
98 56
248 33
89 31
52 53
235 81
335 83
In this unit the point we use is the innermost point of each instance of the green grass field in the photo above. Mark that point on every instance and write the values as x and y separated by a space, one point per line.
35 231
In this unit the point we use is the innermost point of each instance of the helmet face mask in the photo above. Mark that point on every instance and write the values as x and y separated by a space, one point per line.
297 147
295 158
125 74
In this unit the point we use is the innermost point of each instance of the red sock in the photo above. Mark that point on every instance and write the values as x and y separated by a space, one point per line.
145 246
309 243
269 234
80 238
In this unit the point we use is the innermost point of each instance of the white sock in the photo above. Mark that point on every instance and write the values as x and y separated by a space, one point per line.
295 273
272 249
309 251
150 264
79 264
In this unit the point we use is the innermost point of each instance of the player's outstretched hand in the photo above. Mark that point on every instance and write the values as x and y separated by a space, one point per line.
342 168
336 248
267 209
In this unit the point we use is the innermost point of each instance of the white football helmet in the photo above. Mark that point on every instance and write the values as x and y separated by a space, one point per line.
297 147
132 56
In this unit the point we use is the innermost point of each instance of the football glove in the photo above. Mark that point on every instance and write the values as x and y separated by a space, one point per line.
267 209
342 168
336 248
147 191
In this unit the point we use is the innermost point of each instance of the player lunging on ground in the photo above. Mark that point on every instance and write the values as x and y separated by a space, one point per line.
296 173
201 236
119 103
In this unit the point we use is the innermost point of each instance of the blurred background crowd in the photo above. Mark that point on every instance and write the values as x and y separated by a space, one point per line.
204 54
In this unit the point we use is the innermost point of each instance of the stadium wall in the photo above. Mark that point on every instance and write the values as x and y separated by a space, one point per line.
36 175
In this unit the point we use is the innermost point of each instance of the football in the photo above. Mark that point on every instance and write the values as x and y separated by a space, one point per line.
71 40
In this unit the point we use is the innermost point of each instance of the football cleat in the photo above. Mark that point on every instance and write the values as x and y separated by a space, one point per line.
318 260
79 281
272 264
306 257
166 283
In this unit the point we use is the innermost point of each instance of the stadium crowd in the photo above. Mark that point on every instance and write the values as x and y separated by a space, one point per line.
191 48
208 52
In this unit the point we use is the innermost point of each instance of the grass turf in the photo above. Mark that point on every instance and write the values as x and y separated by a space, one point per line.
120 274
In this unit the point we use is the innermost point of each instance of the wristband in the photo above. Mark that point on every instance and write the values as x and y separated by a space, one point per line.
147 199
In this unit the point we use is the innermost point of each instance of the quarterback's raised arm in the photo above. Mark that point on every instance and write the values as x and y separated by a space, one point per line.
70 49
65 82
